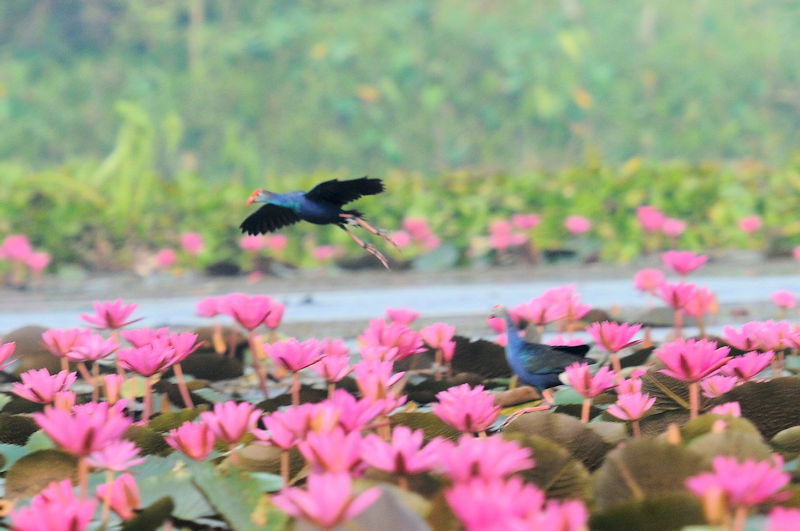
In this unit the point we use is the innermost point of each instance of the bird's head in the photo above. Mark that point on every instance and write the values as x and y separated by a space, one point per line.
259 196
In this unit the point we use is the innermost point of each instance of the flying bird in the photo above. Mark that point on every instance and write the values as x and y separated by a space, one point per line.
322 205
537 364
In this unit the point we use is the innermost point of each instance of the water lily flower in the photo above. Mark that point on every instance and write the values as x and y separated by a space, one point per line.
112 386
394 334
249 311
294 355
587 384
784 299
744 484
39 386
56 509
118 456
148 360
747 366
376 381
327 501
629 385
538 311
760 335
673 227
123 493
648 280
209 307
332 451
38 261
526 221
613 337
165 258
718 385
683 262
650 218
335 362
564 515
486 458
439 336
404 316
230 421
676 295
111 315
285 428
691 361
87 428
577 224
139 337
61 342
733 409
193 439
183 343
64 400
401 238
17 247
323 253
495 504
783 519
252 243
192 243
632 407
276 242
750 224
6 351
502 236
92 347
354 414
403 454
467 409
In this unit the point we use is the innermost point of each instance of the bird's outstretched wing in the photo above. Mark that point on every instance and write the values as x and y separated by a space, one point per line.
267 219
341 192
548 360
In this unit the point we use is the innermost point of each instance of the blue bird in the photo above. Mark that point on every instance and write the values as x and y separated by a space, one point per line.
322 205
537 364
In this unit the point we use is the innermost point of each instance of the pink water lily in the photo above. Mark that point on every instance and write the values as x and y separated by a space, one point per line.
718 385
587 384
294 355
183 343
439 337
377 380
148 360
526 221
111 315
6 351
612 336
249 311
632 407
328 500
538 311
750 224
17 247
784 299
467 409
92 347
692 360
139 337
683 262
118 456
749 365
333 451
86 429
123 494
354 414
673 227
193 439
404 316
676 295
192 243
335 362
54 509
783 519
577 224
404 454
486 458
733 409
650 218
230 421
495 504
39 386
61 342
395 334
648 280
209 307
745 484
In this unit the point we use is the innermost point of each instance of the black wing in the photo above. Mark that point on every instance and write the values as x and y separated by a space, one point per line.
577 350
267 219
341 192
549 360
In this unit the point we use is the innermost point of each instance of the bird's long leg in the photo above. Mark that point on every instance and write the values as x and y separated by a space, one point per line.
368 247
377 232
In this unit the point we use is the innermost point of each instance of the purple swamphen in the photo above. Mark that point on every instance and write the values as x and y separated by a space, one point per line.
321 205
537 364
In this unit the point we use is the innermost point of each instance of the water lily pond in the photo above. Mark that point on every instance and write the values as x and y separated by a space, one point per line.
680 414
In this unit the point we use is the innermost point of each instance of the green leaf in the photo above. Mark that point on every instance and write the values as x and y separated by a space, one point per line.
4 399
177 483
151 517
267 482
11 452
39 441
238 497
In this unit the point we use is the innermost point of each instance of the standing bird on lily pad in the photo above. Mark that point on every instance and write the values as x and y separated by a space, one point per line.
537 364
322 205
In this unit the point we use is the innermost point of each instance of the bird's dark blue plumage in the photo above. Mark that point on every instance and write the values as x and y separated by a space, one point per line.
322 205
537 364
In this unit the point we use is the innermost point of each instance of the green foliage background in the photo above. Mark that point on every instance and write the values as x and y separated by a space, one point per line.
127 123
240 89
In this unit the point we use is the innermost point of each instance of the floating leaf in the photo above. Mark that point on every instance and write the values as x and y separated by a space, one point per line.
569 432
636 359
264 458
238 498
432 425
4 399
150 517
480 357
33 472
16 429
556 472
772 406
787 442
189 503
399 508
167 421
732 443
670 393
567 395
11 453
704 423
663 513
611 432
268 482
148 441
643 469
39 441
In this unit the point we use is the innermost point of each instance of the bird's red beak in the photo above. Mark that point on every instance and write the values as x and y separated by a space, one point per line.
253 196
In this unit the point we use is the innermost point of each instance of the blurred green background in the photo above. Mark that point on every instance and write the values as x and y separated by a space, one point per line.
125 123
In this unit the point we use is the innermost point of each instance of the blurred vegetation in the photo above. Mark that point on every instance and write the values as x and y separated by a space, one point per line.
239 90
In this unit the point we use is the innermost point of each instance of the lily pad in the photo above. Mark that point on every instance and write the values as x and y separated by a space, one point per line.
704 423
11 453
787 442
432 425
644 469
167 421
663 513
480 357
772 406
731 443
556 472
581 442
33 472
16 429
669 392
151 517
